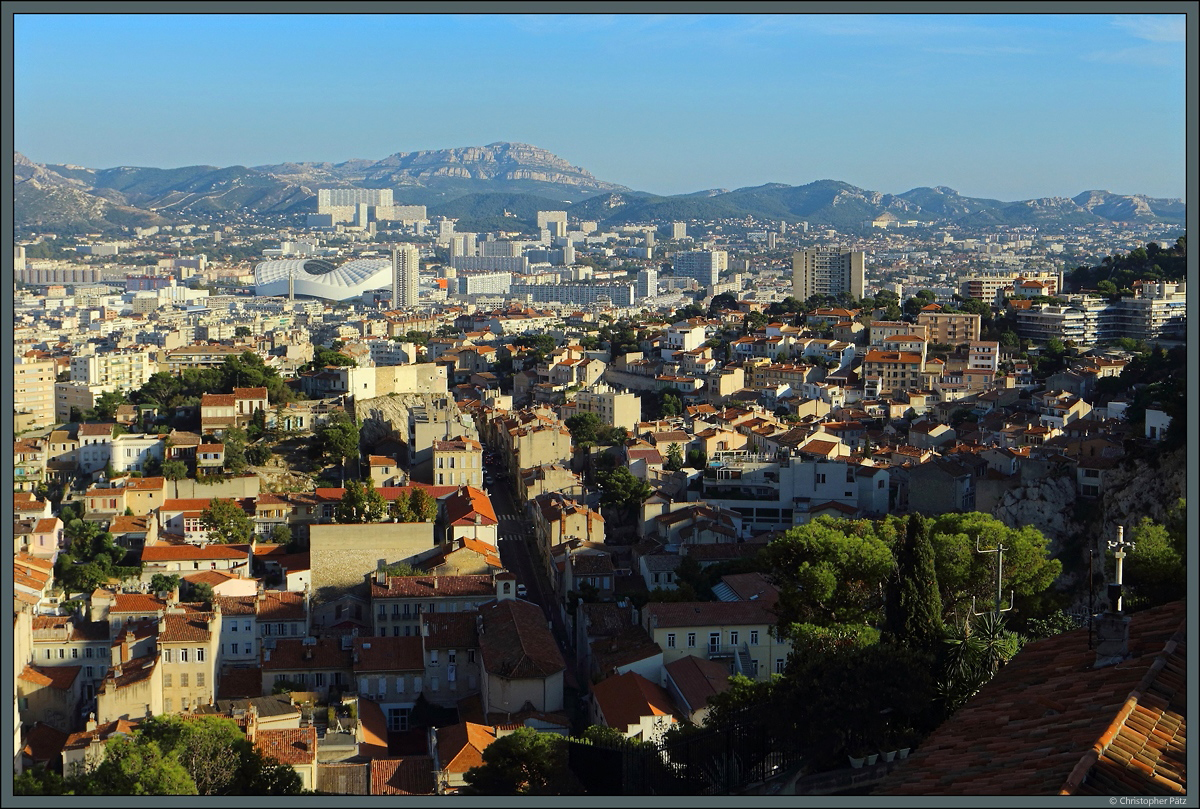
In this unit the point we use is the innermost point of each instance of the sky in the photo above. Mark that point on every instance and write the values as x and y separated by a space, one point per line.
1001 106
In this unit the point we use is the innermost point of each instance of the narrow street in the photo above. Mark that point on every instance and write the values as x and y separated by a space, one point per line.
518 555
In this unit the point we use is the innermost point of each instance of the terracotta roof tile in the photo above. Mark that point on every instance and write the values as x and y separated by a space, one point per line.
626 698
516 644
460 747
434 586
288 745
412 775
388 654
1039 726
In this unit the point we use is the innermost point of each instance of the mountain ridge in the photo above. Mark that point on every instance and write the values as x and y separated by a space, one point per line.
491 179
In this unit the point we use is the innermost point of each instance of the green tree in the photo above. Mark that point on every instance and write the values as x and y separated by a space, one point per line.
976 650
174 470
202 591
264 775
226 522
914 608
1156 569
235 439
258 454
524 762
164 582
621 490
696 458
674 460
40 781
134 765
401 509
584 427
209 748
338 439
423 505
672 405
242 331
106 405
281 534
829 571
360 503
963 572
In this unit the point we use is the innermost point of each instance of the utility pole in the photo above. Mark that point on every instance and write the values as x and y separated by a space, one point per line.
1119 546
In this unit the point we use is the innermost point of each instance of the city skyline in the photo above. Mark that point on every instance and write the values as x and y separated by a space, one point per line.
994 106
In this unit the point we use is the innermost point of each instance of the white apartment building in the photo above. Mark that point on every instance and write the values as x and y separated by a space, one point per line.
406 276
125 370
702 265
33 393
827 272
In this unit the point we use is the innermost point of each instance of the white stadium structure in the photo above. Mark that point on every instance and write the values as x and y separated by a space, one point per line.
316 278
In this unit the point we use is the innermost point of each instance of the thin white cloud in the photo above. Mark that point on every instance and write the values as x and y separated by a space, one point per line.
1141 55
1155 28
983 50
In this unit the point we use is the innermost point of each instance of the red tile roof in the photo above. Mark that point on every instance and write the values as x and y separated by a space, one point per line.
412 775
460 747
186 627
626 698
176 553
1039 726
60 677
288 745
281 605
516 644
698 680
708 613
466 503
388 654
479 585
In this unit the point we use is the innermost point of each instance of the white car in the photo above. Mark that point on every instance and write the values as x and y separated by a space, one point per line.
521 591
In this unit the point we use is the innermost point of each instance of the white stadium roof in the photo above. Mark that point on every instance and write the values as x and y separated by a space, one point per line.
317 278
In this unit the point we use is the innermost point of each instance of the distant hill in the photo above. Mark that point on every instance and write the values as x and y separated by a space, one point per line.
486 185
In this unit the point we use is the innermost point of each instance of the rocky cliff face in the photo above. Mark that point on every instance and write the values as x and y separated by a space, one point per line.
1137 488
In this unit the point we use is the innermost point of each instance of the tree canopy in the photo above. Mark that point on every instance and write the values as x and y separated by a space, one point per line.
226 522
360 503
524 762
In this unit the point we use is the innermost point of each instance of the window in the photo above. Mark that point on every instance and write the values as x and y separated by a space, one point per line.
280 629
200 655
753 637
416 683
399 685
670 640
233 626
691 640
655 578
714 641
451 656
407 630
62 653
167 704
397 719
183 655
433 657
183 681
471 657
396 610
200 680
383 610
733 637
74 654
779 661
168 656
319 679
166 681
88 652
90 672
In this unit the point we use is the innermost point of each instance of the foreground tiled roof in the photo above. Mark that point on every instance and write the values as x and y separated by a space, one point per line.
289 745
698 679
460 747
626 698
412 775
1038 726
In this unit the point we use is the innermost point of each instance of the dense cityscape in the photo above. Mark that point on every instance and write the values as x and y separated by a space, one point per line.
466 472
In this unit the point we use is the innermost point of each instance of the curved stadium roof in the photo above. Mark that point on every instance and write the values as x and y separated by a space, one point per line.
316 278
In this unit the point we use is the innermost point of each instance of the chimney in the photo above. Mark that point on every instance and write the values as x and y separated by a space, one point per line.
435 581
173 596
251 723
127 646
91 722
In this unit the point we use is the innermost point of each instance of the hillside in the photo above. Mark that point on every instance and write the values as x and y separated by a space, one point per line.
479 184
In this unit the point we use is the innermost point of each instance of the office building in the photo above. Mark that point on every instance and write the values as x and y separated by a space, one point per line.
827 272
702 265
406 266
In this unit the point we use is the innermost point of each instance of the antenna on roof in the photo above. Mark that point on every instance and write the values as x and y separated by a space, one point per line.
999 549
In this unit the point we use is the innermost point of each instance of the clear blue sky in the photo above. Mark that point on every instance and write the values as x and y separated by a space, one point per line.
1002 106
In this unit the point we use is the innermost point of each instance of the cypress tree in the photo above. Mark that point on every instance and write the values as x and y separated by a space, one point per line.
914 606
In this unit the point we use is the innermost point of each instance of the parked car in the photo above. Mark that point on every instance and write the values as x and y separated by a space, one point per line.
521 591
